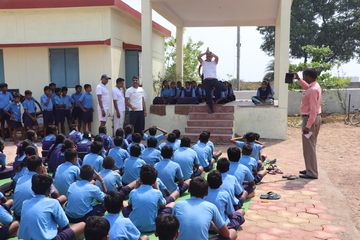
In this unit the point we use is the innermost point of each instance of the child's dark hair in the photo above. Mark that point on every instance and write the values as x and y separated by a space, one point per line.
64 89
214 179
119 132
113 202
185 142
2 85
268 87
68 143
30 150
86 172
27 92
33 162
135 150
51 129
163 82
60 138
99 138
96 147
167 225
204 137
152 142
87 135
57 90
177 133
129 129
2 145
247 149
166 151
223 165
40 183
198 187
136 137
171 137
86 86
234 154
30 134
16 95
207 132
148 174
257 136
250 137
108 162
21 148
96 228
78 86
52 85
152 131
46 88
72 127
102 129
70 154
118 141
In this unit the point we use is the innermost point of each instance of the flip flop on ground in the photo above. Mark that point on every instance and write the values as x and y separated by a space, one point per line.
270 195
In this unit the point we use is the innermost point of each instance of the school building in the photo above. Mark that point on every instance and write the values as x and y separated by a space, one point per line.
72 42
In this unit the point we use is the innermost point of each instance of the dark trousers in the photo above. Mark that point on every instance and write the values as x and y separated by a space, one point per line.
137 119
209 85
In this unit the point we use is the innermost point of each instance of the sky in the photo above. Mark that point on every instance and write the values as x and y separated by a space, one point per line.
222 41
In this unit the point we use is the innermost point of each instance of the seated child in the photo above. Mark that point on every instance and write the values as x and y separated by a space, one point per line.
120 227
211 145
146 201
107 138
187 95
54 152
49 140
96 228
67 173
250 138
14 111
100 139
251 163
129 130
83 147
151 155
119 154
188 211
94 158
2 155
265 94
171 141
120 134
167 227
178 140
152 132
68 144
82 193
230 92
187 159
166 94
174 91
222 200
9 227
43 217
219 97
74 134
21 168
204 153
132 165
136 139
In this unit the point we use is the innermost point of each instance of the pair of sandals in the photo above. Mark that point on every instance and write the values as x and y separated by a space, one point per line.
273 169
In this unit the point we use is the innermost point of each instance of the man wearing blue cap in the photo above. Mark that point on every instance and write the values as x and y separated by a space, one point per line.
103 97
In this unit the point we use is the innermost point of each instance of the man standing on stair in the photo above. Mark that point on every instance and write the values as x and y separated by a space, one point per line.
210 81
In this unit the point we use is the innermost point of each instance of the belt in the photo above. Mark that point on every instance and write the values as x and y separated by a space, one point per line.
319 114
48 110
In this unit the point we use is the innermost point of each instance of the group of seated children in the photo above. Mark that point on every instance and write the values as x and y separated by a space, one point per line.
151 177
191 94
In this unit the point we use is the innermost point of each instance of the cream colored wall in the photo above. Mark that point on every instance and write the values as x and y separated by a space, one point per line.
169 122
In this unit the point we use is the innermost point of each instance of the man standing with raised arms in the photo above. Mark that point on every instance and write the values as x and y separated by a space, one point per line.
310 110
103 97
210 81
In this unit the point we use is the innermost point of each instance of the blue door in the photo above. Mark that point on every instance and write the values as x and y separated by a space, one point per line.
64 67
2 72
131 66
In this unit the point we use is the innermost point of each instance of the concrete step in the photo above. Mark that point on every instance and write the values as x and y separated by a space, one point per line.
212 130
210 123
215 138
213 116
217 108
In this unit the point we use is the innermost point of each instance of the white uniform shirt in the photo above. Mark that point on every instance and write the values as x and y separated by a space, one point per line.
118 95
209 69
135 96
102 90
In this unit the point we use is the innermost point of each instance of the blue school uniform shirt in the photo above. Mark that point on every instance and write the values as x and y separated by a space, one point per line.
203 152
186 158
256 148
261 92
76 97
5 99
77 136
29 105
48 141
86 100
19 174
158 138
119 156
2 159
222 200
217 94
145 203
166 92
66 174
232 186
59 100
94 160
107 140
174 91
121 228
241 172
173 145
132 167
177 143
41 217
167 172
111 179
151 156
209 144
5 217
195 215
43 100
249 162
14 109
68 101
188 93
142 147
80 196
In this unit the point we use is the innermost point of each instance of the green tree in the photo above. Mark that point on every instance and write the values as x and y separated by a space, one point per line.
322 23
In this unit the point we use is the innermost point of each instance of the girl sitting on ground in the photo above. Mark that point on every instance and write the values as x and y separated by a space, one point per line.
166 96
264 94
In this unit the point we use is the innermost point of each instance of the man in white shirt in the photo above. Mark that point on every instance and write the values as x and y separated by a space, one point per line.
119 104
210 80
135 100
103 97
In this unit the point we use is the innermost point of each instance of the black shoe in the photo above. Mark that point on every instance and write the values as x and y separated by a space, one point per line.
302 172
307 176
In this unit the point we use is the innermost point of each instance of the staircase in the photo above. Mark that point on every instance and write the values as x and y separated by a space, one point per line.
220 124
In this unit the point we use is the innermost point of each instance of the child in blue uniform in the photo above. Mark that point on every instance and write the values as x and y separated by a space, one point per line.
119 154
83 147
96 228
60 107
251 163
9 227
2 155
219 97
151 155
249 137
152 133
43 217
49 140
132 165
265 94
171 141
174 92
47 106
85 103
14 112
94 158
187 95
76 113
68 101
5 99
129 130
29 116
136 140
107 138
204 153
82 193
230 92
54 152
119 133
74 134
167 227
166 94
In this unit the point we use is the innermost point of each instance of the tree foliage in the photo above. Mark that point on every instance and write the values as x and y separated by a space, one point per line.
321 23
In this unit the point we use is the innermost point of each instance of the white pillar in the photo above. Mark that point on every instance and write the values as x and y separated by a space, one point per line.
146 55
282 35
179 53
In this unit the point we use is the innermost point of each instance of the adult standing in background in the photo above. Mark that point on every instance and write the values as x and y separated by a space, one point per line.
209 73
135 100
103 97
119 104
310 110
